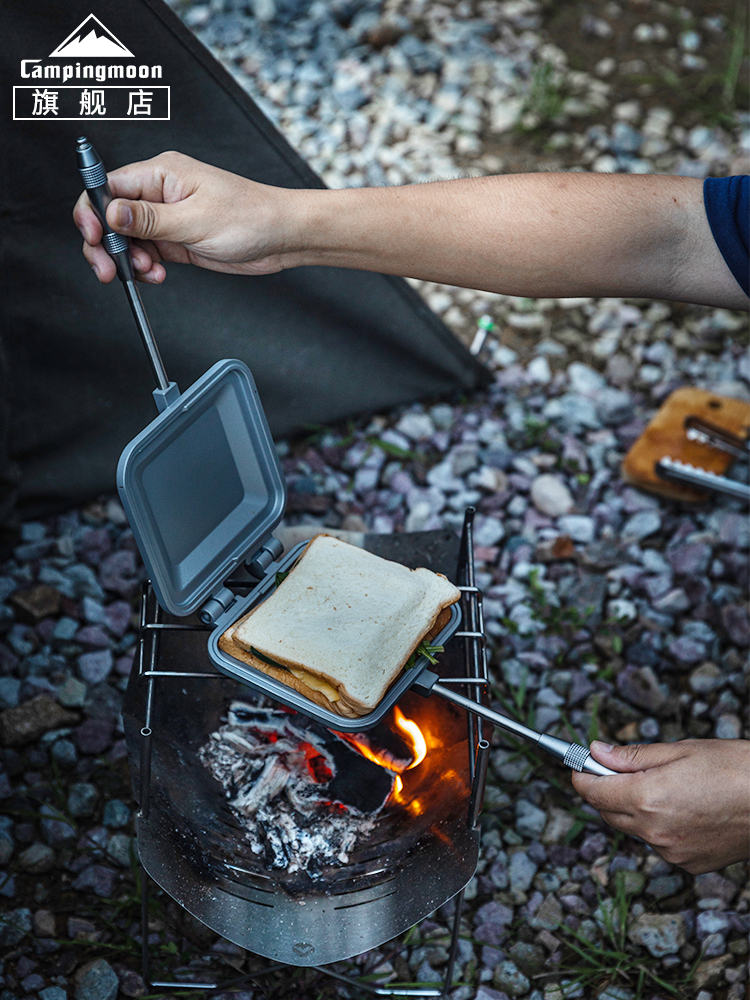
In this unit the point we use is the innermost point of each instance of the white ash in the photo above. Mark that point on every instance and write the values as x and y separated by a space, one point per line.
286 814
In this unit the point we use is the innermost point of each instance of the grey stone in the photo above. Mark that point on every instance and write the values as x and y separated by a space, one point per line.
7 843
117 572
529 958
713 945
498 873
120 847
44 924
9 688
548 917
55 829
706 678
82 799
687 650
710 922
578 526
116 814
37 859
640 686
728 727
585 593
572 413
625 139
464 458
98 879
96 667
713 885
118 617
14 927
65 754
649 728
53 993
551 496
614 407
96 980
663 886
132 985
491 921
559 824
641 525
691 558
509 978
93 636
530 819
733 529
673 602
585 380
32 983
521 871
416 426
65 629
72 693
735 620
94 736
82 582
488 531
660 933
93 611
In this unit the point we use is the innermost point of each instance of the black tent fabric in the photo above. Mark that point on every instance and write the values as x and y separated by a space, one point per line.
75 386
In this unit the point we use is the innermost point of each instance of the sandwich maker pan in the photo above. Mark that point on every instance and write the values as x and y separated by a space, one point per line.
204 491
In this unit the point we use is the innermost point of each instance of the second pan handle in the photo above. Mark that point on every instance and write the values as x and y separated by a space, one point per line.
571 754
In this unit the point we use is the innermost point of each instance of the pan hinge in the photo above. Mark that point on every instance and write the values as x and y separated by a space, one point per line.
215 607
259 561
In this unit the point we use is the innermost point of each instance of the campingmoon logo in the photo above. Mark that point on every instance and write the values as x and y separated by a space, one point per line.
91 74
90 40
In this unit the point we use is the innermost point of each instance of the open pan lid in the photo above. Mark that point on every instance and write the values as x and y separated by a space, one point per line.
202 487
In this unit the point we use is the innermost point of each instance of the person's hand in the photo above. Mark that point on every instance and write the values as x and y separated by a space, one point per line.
690 801
178 209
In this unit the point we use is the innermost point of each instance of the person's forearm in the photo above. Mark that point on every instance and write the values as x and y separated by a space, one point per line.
525 234
538 235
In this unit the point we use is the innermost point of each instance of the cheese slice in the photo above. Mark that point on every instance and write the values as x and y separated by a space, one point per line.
316 683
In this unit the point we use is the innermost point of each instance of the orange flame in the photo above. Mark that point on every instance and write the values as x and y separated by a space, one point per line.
418 740
414 736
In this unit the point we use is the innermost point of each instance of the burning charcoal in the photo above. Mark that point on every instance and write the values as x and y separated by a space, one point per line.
301 794
390 748
359 782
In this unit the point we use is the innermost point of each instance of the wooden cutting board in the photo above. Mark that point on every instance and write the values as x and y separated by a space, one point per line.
665 437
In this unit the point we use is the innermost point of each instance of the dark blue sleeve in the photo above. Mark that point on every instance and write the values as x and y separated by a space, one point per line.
727 201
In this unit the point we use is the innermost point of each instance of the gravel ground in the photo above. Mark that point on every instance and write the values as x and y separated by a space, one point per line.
611 613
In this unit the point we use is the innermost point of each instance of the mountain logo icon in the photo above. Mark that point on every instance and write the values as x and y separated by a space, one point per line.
91 40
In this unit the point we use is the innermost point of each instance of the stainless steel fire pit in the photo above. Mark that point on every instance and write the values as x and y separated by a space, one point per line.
424 844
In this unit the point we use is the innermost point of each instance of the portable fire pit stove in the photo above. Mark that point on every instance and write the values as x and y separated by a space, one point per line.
421 853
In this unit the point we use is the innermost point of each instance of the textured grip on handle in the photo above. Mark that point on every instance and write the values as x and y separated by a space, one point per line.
576 756
115 243
93 176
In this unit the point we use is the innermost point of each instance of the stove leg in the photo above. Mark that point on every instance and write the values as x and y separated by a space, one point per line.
145 954
454 942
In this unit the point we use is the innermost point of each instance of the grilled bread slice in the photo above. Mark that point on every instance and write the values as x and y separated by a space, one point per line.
343 624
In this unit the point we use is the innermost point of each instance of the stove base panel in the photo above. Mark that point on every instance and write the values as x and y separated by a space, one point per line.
319 929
